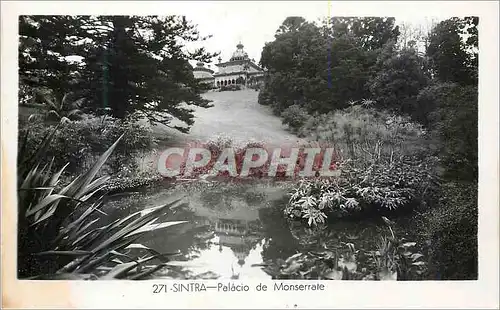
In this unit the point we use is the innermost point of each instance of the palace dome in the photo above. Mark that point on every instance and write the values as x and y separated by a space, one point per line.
239 54
201 72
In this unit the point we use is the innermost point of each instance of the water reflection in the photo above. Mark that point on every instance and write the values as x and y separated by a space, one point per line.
228 231
232 228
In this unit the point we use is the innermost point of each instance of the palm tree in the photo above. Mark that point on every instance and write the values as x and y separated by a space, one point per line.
66 108
246 67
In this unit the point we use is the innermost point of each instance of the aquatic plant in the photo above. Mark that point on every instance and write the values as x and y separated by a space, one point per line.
393 259
332 264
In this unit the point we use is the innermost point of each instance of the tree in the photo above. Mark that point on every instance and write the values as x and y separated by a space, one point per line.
323 68
292 62
453 58
129 64
371 32
468 28
290 24
454 95
454 124
399 79
415 36
44 41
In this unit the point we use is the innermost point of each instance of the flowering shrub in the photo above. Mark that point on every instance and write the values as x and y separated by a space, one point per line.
222 153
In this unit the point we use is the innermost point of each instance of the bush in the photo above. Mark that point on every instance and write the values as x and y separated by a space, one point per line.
219 143
265 97
428 100
60 234
78 143
294 116
451 230
365 133
233 87
454 126
216 146
379 188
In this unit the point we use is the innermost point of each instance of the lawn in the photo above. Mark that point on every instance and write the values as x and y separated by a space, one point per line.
235 114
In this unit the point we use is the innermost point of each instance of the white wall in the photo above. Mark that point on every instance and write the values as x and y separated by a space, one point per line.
231 68
201 74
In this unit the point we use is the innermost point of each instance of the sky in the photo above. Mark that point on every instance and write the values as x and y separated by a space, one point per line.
255 23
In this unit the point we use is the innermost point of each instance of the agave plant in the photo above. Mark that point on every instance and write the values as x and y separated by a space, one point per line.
59 232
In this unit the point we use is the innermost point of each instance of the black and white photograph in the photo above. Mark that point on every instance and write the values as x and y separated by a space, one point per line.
241 142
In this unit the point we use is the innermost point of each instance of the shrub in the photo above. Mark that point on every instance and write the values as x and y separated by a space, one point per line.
450 112
399 78
294 116
455 125
219 143
78 143
451 230
216 146
60 234
365 133
378 188
233 87
428 100
265 97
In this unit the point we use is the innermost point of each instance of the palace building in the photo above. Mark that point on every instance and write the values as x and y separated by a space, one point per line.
239 70
238 235
203 74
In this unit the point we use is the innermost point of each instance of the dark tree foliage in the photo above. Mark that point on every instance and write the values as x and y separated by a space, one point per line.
400 75
454 95
454 123
453 58
322 68
128 63
371 32
290 24
43 41
452 231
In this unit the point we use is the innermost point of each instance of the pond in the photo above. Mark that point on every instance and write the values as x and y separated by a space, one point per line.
234 229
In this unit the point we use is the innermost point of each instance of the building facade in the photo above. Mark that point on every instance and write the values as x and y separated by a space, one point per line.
239 70
203 74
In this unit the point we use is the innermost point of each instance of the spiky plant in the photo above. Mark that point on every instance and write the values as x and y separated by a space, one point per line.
59 231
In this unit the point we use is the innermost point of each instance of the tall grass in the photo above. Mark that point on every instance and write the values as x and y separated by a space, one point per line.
361 133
